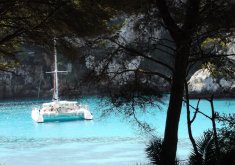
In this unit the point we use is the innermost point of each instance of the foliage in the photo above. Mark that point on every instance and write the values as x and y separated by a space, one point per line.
37 22
213 42
206 150
153 150
218 47
227 120
7 65
134 111
226 139
219 68
211 68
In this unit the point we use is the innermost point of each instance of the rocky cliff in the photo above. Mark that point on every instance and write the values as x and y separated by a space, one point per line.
29 78
220 82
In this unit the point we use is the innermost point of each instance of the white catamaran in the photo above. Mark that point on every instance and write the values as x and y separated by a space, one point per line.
60 110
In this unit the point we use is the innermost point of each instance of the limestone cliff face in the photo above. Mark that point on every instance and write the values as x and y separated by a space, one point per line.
202 82
30 80
27 79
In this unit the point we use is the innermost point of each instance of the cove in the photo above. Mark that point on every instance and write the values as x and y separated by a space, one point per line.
113 139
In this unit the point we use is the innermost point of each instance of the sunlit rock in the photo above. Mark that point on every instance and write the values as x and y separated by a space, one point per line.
203 82
225 84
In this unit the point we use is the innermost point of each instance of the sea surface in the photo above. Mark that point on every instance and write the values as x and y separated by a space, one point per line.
112 139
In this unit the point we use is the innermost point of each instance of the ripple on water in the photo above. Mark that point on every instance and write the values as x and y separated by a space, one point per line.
22 142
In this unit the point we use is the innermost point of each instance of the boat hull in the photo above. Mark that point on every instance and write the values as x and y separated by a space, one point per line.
39 117
63 117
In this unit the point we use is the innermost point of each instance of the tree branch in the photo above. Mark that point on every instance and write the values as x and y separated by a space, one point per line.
191 16
142 55
168 20
195 113
143 72
210 56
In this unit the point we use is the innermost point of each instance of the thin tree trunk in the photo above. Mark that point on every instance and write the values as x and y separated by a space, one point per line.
168 154
189 123
213 117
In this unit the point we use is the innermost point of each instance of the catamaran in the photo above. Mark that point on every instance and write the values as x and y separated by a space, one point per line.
58 110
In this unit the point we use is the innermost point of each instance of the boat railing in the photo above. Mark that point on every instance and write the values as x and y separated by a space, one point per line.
85 106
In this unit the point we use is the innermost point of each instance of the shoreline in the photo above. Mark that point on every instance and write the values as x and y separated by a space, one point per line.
192 96
216 96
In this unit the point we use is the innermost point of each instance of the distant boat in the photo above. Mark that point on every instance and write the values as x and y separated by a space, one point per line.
60 110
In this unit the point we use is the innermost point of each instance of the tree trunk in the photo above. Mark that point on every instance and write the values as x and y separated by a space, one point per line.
168 154
213 118
182 37
189 123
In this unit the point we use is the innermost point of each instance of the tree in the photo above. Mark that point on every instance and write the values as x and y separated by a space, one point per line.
189 23
184 38
225 143
37 22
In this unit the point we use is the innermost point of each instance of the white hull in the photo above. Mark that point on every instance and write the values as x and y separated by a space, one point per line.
81 114
61 111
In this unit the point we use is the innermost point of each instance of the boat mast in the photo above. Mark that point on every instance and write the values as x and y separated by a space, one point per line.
56 91
55 72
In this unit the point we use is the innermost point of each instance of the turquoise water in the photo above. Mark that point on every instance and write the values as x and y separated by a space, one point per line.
106 140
